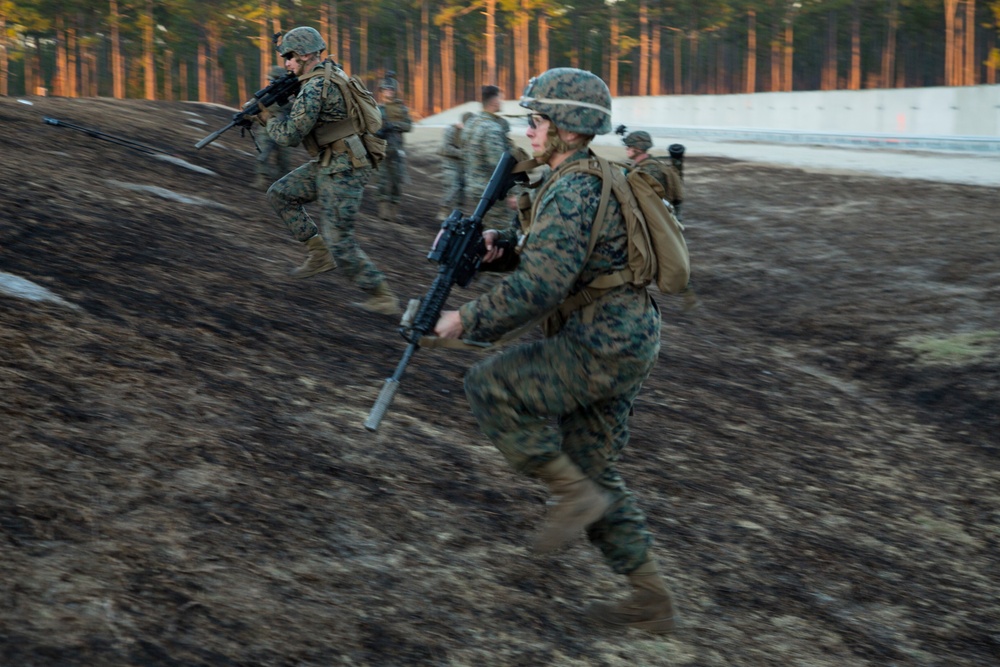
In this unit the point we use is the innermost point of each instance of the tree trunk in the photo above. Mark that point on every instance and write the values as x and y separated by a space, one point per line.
889 49
776 85
202 73
613 57
656 58
854 82
59 80
789 54
949 42
643 47
182 80
448 66
334 28
117 61
345 46
678 87
750 83
423 73
73 49
542 58
522 46
266 49
149 53
828 80
168 75
491 42
970 43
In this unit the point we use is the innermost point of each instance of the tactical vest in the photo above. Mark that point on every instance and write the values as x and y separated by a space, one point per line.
352 135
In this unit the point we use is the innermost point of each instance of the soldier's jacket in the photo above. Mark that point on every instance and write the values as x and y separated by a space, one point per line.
554 265
666 175
451 144
308 109
395 120
484 142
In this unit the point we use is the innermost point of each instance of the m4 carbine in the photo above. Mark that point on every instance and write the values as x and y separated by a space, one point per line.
276 93
458 251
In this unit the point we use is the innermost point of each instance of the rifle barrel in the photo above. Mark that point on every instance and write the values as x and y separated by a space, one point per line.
215 135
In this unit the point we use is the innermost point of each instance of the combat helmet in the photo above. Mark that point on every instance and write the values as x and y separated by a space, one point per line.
576 100
639 140
276 73
302 41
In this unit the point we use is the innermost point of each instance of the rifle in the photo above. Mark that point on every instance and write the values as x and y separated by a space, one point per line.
458 249
277 92
121 141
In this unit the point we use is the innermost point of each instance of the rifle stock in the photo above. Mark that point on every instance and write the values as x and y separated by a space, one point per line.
458 251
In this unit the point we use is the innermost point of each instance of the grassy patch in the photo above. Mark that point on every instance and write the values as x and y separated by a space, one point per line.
955 349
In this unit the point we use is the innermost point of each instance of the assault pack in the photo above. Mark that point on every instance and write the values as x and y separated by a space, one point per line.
355 134
657 251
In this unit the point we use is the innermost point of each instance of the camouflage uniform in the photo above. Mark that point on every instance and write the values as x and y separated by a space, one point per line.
454 170
267 172
338 187
485 140
391 172
586 375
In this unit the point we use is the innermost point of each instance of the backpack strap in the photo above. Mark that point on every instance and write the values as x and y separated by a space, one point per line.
340 136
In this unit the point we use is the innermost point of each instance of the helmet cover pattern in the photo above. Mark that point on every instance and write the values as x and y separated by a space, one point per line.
576 100
639 140
301 41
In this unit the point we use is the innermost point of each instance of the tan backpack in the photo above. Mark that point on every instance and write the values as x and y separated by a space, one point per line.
362 111
657 251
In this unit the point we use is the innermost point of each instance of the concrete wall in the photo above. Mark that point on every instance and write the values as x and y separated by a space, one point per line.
959 111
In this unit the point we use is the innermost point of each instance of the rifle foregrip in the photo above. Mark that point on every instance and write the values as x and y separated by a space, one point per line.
382 404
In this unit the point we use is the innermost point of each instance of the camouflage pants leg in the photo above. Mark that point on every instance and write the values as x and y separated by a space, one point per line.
389 180
454 185
515 394
289 195
339 198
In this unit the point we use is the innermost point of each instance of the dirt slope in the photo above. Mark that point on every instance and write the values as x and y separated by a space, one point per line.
185 479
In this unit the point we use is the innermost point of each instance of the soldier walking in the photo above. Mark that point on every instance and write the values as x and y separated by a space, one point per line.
454 171
485 138
557 408
335 178
391 174
670 179
270 151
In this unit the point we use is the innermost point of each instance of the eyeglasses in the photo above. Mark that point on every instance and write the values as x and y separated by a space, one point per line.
536 118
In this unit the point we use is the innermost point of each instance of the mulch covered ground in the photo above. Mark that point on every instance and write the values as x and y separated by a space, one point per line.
185 478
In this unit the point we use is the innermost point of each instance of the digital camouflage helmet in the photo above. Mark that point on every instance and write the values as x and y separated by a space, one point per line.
574 99
301 41
639 140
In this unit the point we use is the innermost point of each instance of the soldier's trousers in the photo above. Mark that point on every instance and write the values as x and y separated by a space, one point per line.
338 197
271 152
515 395
391 173
454 180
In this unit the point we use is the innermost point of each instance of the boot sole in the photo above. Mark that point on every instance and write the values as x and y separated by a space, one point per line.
659 626
310 274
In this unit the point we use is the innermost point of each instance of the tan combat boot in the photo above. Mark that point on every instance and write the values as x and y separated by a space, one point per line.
649 608
581 503
318 261
382 301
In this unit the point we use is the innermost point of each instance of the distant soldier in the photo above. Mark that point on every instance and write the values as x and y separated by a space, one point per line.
334 179
391 173
270 151
454 173
484 141
665 171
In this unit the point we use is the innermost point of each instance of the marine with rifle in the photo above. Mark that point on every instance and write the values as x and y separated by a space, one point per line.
335 178
557 408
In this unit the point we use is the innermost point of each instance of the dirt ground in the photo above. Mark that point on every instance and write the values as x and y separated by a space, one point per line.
185 478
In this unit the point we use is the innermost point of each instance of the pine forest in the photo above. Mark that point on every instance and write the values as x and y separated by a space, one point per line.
442 51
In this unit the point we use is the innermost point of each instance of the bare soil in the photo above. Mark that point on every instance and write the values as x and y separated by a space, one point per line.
185 479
